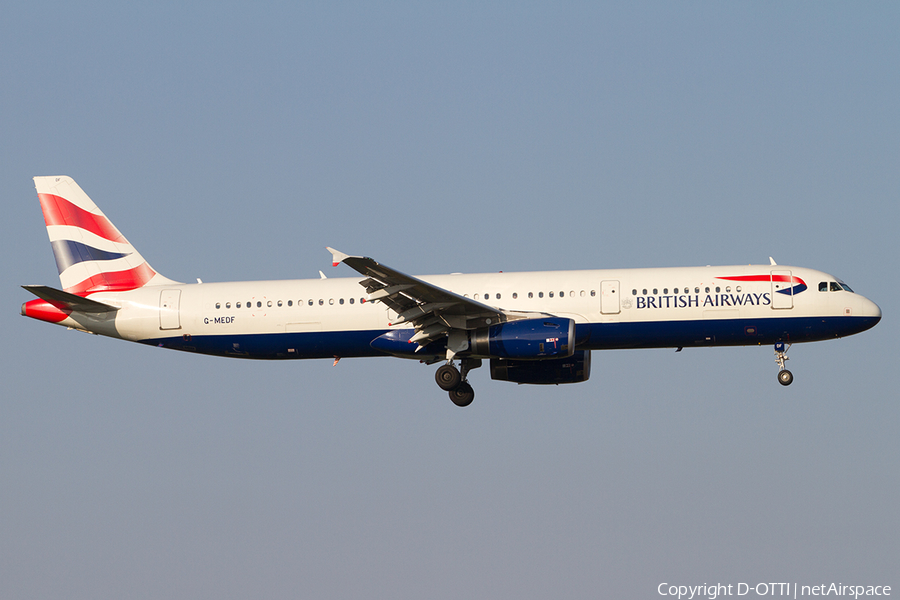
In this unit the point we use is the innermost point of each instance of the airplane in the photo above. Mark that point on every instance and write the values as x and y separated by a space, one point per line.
533 328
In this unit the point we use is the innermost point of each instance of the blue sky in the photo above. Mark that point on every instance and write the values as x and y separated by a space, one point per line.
230 141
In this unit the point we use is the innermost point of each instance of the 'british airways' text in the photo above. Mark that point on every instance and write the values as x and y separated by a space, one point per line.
699 301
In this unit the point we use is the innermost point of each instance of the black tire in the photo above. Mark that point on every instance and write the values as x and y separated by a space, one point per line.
448 378
463 394
785 377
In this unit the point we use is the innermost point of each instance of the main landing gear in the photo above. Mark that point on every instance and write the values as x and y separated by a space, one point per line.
454 381
785 377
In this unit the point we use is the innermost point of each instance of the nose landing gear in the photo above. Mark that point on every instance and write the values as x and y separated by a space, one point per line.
454 381
785 377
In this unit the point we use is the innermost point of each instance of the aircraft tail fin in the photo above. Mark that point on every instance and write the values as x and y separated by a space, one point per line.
91 254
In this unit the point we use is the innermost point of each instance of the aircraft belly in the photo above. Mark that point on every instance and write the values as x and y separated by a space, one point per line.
723 332
274 346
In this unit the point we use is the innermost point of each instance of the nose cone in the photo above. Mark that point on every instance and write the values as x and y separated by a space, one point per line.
873 310
870 314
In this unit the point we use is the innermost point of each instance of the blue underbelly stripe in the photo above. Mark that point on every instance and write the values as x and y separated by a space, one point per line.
591 336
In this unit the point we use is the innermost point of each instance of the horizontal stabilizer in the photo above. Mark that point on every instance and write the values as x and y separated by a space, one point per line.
62 299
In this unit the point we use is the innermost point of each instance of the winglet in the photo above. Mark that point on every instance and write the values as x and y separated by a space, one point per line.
337 257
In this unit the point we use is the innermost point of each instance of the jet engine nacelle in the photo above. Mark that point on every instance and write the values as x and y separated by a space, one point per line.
528 339
574 369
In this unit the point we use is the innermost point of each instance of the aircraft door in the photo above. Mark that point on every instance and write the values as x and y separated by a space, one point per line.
169 307
782 290
609 297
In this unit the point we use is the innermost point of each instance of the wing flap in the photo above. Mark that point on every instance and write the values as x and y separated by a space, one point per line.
431 309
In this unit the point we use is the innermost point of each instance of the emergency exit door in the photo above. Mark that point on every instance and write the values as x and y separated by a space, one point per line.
169 317
609 297
782 290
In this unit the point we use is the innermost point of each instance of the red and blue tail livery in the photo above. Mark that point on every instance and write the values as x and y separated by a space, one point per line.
531 328
91 254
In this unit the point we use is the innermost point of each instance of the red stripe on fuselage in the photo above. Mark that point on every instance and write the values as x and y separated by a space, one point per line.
787 278
59 211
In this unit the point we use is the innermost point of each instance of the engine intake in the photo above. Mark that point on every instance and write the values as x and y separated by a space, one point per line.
528 339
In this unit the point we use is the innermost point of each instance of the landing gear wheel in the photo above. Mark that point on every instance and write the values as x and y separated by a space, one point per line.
448 378
785 377
463 394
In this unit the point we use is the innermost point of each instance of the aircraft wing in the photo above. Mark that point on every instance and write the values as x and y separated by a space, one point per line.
433 311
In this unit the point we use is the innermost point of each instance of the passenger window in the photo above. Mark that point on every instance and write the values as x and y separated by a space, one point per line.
321 302
310 302
290 302
655 291
696 290
551 294
540 294
351 300
665 291
498 296
238 305
331 301
228 305
718 289
515 295
634 292
644 291
279 303
341 301
269 304
531 294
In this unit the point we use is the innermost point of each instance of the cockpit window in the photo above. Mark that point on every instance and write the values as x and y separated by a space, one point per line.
823 286
846 287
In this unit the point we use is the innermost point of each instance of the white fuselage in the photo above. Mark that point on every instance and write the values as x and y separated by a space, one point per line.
664 307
